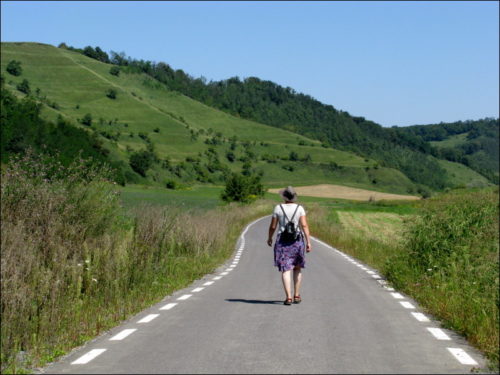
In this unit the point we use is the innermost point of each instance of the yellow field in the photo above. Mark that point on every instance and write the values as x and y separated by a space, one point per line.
346 192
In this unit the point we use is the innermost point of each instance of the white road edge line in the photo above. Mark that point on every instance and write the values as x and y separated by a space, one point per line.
461 356
123 334
438 333
217 278
196 290
168 306
86 358
208 283
184 297
148 318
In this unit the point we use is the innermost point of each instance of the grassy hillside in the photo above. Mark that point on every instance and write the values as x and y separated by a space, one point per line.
73 85
471 143
460 175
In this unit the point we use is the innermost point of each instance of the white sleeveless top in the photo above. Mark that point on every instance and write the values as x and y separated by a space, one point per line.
289 209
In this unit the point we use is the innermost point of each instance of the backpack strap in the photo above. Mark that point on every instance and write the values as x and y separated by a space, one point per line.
296 208
284 213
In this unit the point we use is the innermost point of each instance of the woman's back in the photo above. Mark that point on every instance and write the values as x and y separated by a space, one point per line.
289 209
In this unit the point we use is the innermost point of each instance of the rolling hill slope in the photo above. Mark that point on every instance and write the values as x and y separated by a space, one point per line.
191 140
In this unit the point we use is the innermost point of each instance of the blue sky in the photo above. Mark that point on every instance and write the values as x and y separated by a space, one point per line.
396 63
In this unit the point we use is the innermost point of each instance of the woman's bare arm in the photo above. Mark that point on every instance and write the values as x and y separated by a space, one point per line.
305 228
272 228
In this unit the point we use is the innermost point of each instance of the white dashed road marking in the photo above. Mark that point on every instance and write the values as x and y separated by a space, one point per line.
148 318
397 295
208 283
168 306
123 334
420 317
438 333
407 305
184 297
462 356
88 357
196 290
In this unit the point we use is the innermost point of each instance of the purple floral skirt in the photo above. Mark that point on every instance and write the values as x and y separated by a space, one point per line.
288 255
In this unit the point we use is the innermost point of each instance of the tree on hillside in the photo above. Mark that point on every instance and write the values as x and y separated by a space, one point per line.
14 68
141 161
241 188
96 53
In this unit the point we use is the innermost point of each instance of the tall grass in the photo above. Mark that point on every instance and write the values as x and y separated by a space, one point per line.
73 265
450 264
447 260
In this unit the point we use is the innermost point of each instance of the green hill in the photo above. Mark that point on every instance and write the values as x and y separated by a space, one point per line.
474 144
191 142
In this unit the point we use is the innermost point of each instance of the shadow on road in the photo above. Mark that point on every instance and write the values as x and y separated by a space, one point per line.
254 301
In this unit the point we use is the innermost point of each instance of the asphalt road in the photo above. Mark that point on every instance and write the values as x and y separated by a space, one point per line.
348 322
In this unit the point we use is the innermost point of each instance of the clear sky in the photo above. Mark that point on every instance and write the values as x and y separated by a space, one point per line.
396 63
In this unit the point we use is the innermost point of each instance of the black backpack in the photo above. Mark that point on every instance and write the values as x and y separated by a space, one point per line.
291 233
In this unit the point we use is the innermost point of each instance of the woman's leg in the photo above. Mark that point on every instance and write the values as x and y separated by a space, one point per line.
285 277
297 279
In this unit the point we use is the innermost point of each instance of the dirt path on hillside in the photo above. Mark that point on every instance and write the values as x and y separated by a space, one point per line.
346 192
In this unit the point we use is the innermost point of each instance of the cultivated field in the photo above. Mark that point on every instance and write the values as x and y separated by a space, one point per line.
346 192
381 226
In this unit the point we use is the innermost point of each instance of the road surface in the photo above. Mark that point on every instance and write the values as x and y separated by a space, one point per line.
234 321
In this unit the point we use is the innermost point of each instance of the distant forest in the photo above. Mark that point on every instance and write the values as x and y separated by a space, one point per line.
406 149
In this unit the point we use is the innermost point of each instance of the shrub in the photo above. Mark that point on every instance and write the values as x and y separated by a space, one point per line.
111 93
14 68
114 70
87 119
293 156
230 156
24 86
171 184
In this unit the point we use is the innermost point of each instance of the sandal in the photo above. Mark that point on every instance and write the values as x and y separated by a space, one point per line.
297 299
288 301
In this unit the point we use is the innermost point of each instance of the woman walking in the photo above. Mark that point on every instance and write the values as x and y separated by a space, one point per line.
291 241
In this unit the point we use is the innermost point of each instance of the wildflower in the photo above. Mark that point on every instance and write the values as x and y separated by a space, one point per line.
94 280
429 269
